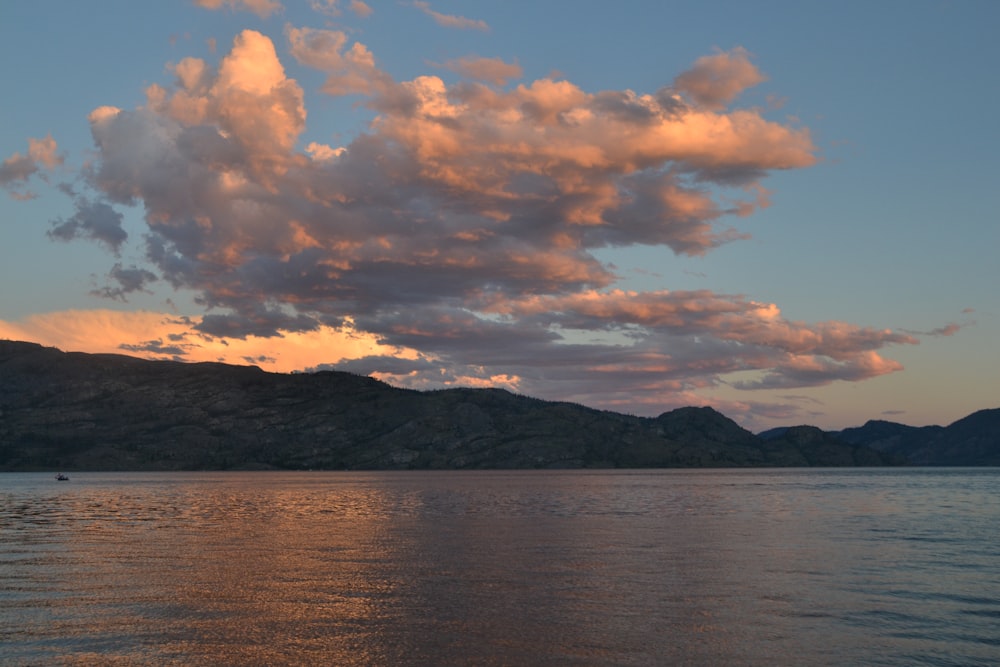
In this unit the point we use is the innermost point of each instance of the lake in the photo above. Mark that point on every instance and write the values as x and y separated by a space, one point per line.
662 567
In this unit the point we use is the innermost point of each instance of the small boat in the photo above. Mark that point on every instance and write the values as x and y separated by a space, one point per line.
62 478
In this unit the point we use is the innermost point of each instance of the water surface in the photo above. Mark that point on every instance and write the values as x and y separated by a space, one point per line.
749 567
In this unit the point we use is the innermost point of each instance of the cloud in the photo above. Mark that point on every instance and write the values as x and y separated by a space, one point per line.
131 279
802 399
96 221
327 7
947 330
361 9
154 335
717 80
332 7
17 170
451 21
491 70
812 370
262 8
454 240
352 70
666 341
260 320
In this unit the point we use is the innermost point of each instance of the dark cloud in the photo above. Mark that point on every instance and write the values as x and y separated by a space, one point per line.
259 359
384 365
131 279
96 221
17 169
157 347
260 320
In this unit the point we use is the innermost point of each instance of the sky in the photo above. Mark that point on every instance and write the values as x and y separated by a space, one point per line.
785 210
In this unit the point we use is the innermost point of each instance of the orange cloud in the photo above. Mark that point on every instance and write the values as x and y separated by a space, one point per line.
491 70
262 8
165 336
717 80
361 9
450 20
454 240
17 170
332 7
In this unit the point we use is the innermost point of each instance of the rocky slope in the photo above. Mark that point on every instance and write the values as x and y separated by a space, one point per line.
77 411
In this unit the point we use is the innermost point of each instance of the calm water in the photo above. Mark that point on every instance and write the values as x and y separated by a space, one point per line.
787 567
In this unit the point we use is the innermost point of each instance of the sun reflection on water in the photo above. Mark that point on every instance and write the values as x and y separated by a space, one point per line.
495 568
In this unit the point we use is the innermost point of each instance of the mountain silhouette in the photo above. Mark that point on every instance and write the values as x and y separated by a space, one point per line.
77 411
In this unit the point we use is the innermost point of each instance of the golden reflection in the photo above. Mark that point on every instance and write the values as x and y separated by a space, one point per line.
641 567
212 572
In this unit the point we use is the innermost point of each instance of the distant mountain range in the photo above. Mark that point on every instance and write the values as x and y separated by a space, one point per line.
75 411
970 441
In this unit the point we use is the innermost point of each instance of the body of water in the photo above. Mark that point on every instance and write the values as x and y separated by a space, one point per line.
665 567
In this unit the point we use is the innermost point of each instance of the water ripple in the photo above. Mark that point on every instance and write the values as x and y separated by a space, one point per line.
556 568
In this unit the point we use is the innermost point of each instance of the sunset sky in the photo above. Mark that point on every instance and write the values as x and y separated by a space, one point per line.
785 210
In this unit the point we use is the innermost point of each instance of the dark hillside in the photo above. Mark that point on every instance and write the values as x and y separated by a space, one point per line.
77 411
971 441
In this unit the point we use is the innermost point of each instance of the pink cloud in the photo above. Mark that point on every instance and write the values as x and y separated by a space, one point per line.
361 9
812 370
18 169
797 354
351 70
717 80
947 330
457 234
262 8
491 70
43 152
449 20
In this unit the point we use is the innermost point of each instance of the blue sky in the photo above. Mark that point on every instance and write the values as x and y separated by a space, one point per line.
504 211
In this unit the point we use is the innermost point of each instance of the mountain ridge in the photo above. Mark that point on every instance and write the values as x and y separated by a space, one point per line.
79 411
973 440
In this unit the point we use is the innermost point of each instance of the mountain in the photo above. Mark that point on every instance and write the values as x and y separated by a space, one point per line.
810 446
76 411
773 433
970 441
